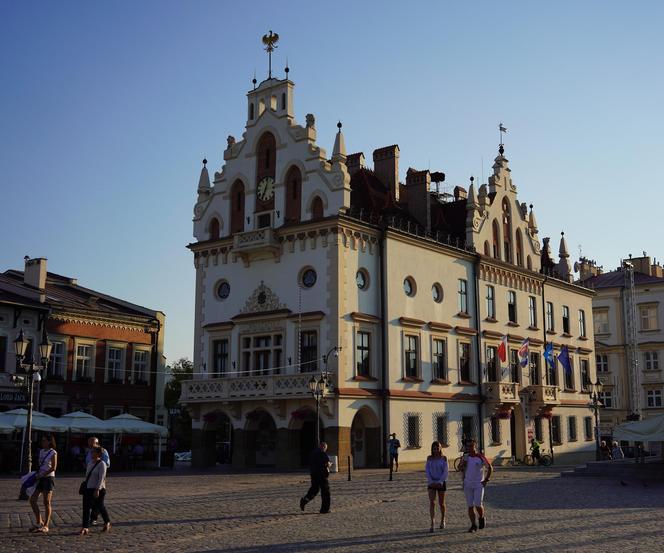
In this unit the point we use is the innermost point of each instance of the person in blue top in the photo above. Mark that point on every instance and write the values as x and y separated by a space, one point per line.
93 442
437 471
393 446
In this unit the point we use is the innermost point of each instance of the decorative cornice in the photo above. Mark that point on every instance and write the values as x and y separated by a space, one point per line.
364 317
222 325
100 321
439 327
413 323
465 331
308 316
492 334
262 300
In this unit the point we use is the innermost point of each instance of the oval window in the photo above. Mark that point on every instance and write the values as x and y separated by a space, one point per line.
223 290
409 286
309 278
437 292
362 279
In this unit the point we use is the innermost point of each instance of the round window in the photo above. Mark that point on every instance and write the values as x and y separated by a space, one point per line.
362 279
409 286
308 278
437 292
223 290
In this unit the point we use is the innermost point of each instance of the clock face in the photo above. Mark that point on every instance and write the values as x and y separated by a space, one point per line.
266 189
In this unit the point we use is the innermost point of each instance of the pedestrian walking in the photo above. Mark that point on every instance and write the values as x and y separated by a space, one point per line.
93 442
617 452
437 471
320 471
94 492
393 446
48 462
604 451
477 472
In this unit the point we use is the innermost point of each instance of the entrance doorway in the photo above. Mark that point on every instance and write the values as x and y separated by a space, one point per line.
518 433
365 439
262 439
304 424
217 438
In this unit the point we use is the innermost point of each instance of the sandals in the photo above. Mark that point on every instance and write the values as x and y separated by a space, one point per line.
107 527
36 528
84 532
43 530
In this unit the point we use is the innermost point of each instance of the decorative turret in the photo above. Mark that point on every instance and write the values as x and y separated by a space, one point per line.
339 151
472 213
471 202
532 222
564 268
501 173
204 181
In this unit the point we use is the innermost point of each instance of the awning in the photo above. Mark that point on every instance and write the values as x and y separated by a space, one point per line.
647 430
40 421
78 421
5 427
129 424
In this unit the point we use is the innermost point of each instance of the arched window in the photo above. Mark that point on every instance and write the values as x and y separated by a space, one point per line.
266 158
519 248
213 229
251 110
237 207
507 230
317 211
496 239
293 195
487 248
529 263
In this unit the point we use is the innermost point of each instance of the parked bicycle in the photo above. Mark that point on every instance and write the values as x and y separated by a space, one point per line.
544 459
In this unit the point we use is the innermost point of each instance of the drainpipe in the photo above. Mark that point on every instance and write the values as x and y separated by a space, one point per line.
478 342
383 340
546 365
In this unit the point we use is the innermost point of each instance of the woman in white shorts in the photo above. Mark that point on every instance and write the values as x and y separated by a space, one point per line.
477 472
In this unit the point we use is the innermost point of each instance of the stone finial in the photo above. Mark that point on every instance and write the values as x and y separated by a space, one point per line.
532 222
564 267
562 251
204 179
471 202
339 151
311 121
230 141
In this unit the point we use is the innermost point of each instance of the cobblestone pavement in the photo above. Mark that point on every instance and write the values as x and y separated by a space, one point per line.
527 510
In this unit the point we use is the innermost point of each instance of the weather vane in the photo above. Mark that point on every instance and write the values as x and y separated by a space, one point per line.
270 40
502 130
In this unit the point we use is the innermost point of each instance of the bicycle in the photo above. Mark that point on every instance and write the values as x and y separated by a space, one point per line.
457 463
544 459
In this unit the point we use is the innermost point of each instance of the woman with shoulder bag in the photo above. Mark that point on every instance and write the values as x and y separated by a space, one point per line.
437 472
48 462
94 491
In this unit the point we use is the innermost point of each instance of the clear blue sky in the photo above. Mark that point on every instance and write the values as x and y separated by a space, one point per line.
107 108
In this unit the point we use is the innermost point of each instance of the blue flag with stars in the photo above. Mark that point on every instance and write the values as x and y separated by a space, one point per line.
563 357
548 353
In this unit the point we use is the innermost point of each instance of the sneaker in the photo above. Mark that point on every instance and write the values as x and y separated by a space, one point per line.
325 512
473 528
303 502
443 524
482 523
94 522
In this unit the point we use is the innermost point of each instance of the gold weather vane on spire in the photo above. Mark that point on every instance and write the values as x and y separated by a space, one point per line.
270 40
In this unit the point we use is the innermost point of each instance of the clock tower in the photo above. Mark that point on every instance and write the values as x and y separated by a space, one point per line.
265 178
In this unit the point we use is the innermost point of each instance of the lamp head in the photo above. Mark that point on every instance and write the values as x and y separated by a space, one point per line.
45 349
312 385
20 345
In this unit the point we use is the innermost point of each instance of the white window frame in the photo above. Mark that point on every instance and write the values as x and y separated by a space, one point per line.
418 354
601 324
92 344
446 375
107 367
550 317
512 300
490 302
654 398
650 317
212 338
62 374
532 311
606 397
651 360
356 360
582 323
566 316
147 351
463 295
602 362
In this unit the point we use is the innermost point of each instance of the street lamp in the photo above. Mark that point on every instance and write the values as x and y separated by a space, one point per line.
32 375
595 402
319 384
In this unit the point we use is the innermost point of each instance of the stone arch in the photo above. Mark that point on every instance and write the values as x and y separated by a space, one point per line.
487 248
507 230
271 129
529 263
365 438
293 194
237 201
214 227
302 434
217 438
260 439
518 244
495 235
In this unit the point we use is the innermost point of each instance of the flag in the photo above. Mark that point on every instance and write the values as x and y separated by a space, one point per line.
523 352
502 349
548 353
501 128
563 357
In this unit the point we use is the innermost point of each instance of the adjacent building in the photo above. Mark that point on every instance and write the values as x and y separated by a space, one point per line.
632 376
107 355
308 263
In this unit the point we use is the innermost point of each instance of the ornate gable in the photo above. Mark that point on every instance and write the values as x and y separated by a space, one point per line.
262 299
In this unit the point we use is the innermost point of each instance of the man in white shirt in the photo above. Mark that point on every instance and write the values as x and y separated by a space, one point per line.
477 472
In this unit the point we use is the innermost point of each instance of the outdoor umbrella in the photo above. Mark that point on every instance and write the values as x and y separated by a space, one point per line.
78 421
40 421
129 424
647 430
5 427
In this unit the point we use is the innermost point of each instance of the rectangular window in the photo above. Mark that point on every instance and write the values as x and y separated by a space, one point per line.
413 433
552 373
651 360
532 311
83 363
308 351
569 376
514 365
468 428
588 428
606 397
648 316
571 422
464 362
555 430
141 367
492 364
3 353
57 365
114 365
549 317
539 433
219 358
495 430
438 363
654 398
441 429
535 376
463 295
601 322
585 375
602 363
411 356
490 302
511 306
565 319
362 357
582 323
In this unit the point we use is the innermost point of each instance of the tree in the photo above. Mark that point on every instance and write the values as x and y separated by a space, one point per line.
182 369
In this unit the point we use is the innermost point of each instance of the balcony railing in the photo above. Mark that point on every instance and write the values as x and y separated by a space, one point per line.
256 241
501 392
246 387
544 395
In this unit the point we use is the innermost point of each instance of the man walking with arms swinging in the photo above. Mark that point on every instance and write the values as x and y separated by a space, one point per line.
320 472
477 472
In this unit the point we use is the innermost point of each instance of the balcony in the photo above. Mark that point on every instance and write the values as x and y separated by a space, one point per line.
256 243
278 386
544 396
501 393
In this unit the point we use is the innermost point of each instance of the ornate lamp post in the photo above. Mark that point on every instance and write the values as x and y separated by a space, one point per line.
319 384
596 403
28 379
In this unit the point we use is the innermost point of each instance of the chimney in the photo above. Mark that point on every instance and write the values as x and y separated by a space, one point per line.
355 162
642 264
460 193
587 268
418 185
35 272
386 168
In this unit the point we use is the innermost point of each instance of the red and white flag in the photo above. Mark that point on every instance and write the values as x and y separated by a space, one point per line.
502 349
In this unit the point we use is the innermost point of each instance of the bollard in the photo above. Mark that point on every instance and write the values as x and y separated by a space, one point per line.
349 468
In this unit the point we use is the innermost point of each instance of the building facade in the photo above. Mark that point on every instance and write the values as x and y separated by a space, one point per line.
628 391
107 355
299 256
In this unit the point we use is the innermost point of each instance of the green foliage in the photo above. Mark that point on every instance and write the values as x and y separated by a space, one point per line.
182 369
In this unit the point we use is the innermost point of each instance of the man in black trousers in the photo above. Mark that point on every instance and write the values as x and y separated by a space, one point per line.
320 471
